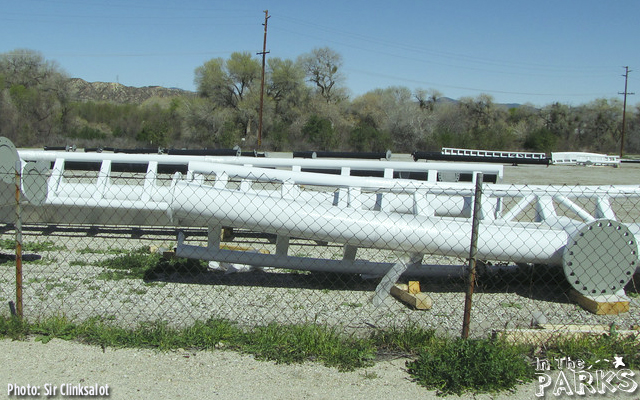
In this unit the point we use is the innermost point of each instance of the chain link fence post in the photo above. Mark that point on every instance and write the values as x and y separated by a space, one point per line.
471 276
19 309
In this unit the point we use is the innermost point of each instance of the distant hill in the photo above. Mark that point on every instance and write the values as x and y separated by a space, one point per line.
118 93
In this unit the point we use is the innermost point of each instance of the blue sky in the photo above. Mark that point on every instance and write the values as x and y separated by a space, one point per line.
571 51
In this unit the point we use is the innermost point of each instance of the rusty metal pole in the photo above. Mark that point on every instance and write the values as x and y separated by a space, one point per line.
473 251
19 308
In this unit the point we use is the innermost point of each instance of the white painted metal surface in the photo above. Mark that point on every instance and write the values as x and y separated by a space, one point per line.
493 153
411 217
388 168
579 158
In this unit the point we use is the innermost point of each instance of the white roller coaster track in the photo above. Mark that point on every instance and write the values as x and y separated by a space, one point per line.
519 224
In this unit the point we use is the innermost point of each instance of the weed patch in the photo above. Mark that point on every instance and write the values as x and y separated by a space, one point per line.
298 343
459 366
280 343
128 266
140 264
409 340
35 247
592 350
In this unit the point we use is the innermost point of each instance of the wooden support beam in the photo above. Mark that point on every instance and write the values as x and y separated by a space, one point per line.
419 301
606 304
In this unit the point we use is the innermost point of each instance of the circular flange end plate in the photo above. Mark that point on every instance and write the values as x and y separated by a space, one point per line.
34 181
600 258
8 158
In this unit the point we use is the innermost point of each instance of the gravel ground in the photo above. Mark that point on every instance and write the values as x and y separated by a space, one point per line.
147 374
68 285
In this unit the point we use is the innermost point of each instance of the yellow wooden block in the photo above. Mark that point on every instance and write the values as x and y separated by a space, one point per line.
611 304
420 301
414 287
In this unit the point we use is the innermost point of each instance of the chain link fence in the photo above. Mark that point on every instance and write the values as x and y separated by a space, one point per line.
322 259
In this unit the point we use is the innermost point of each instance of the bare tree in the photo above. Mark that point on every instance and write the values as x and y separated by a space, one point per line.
322 68
427 98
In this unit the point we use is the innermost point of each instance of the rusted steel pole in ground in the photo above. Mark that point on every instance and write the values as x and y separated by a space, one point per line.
18 243
473 251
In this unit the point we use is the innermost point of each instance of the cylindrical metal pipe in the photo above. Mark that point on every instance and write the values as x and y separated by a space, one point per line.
205 152
408 233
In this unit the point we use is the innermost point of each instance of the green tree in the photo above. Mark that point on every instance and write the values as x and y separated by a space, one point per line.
213 82
366 137
319 132
541 140
486 124
29 69
285 85
227 82
277 137
232 84
563 122
601 124
632 132
394 112
33 97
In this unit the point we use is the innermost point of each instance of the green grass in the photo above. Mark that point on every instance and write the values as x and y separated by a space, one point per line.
449 366
35 247
593 350
140 264
90 250
280 343
298 343
511 304
408 340
132 265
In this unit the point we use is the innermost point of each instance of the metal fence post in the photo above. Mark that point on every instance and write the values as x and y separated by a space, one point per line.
471 276
19 309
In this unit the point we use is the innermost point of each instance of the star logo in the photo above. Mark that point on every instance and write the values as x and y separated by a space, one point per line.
618 362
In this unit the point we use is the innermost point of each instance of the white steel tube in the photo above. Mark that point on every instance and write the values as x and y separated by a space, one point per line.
407 233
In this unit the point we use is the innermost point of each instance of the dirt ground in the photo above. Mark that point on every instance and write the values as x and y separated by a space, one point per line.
148 374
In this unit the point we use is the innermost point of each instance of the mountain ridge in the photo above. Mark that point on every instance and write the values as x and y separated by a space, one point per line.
118 93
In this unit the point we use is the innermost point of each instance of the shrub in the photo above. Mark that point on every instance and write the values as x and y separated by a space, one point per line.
461 365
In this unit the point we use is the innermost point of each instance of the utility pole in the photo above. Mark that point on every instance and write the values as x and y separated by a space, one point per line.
264 54
624 108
